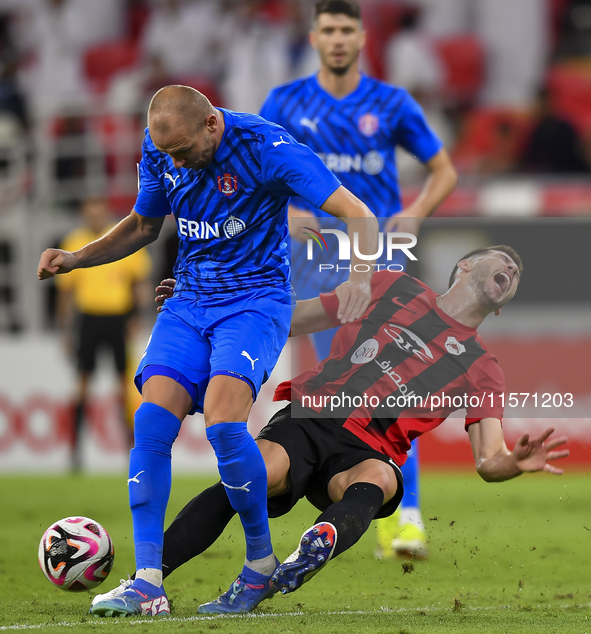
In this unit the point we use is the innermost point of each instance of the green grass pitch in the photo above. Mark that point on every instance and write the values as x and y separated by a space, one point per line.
510 557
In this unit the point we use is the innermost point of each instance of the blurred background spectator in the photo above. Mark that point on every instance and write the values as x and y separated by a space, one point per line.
186 37
53 36
516 37
12 99
98 309
553 146
574 18
412 58
257 59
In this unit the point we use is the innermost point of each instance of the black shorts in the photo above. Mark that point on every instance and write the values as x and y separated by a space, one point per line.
318 449
101 331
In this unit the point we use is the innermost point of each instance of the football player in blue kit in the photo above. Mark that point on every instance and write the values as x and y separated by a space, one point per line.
226 177
354 122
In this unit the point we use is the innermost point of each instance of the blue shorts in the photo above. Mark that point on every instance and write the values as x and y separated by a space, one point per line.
240 335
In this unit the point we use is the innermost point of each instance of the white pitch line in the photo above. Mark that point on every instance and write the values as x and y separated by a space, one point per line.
194 619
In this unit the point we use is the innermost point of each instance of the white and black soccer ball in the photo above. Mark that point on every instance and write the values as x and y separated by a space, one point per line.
76 554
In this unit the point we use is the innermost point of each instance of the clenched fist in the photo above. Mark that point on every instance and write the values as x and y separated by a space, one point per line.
54 261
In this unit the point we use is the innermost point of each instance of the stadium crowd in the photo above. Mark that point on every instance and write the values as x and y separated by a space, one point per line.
478 68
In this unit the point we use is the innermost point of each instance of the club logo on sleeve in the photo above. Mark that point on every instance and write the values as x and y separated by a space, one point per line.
228 184
366 352
453 346
233 226
368 124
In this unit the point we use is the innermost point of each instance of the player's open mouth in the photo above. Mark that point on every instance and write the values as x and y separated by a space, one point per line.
503 281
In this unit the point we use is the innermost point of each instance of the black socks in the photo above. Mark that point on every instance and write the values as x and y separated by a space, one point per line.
188 535
353 514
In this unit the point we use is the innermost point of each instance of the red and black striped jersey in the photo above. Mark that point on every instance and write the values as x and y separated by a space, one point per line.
400 370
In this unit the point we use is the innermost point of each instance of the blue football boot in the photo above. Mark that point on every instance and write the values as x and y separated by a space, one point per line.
249 589
132 598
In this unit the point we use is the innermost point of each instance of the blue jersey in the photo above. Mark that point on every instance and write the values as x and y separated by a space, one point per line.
232 215
356 136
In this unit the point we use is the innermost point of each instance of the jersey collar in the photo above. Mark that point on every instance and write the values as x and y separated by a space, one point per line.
352 96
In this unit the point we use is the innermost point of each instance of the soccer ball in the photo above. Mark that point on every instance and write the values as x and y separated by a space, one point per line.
76 554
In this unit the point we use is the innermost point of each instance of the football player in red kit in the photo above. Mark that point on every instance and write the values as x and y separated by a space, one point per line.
410 361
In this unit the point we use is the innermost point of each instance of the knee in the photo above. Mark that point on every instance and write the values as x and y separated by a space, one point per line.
379 474
227 400
224 413
214 415
387 481
276 480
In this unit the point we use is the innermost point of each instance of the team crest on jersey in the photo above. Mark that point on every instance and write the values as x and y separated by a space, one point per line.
233 226
368 124
453 346
228 184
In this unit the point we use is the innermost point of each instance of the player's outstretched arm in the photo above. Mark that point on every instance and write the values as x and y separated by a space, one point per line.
125 238
494 461
309 316
300 219
355 298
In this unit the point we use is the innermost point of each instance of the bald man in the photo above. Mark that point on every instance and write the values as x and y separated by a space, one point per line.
227 178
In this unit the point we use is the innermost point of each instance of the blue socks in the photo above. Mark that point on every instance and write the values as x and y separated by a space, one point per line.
244 477
410 473
149 480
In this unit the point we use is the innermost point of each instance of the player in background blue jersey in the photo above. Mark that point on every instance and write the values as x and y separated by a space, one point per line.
227 178
354 122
